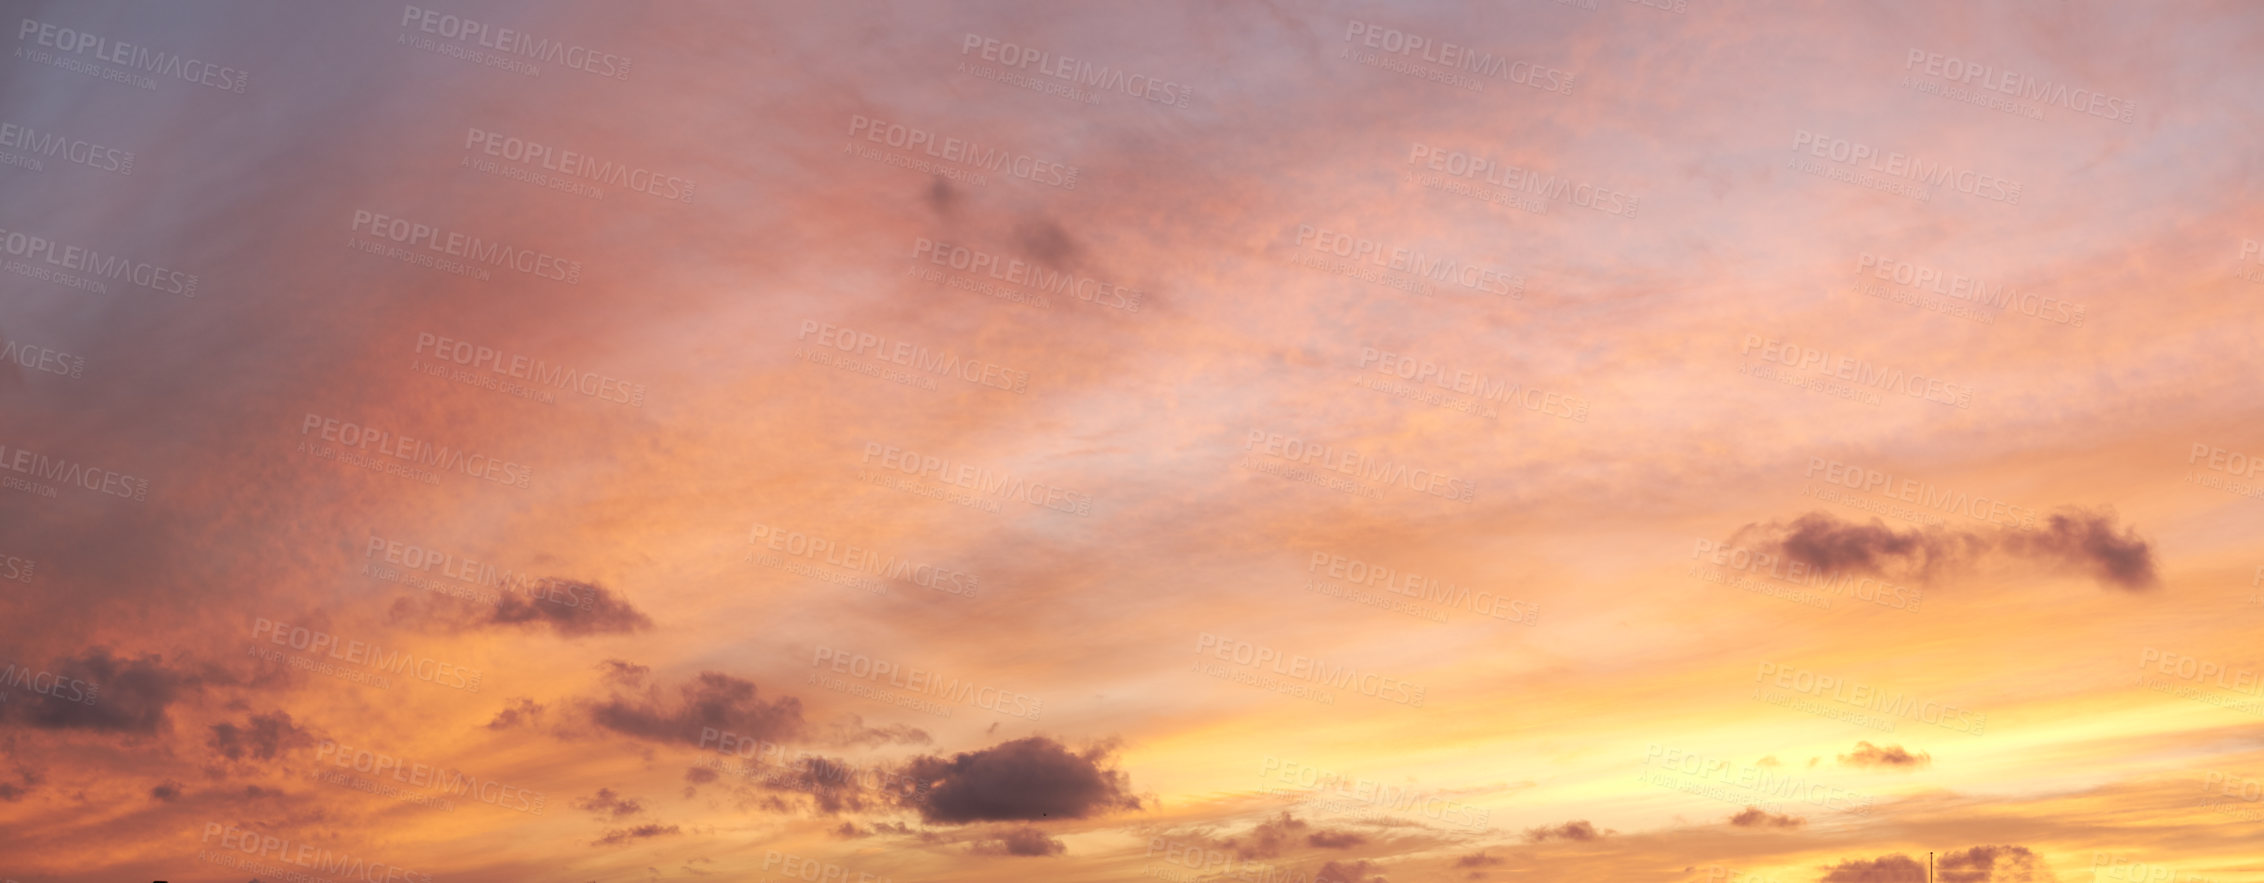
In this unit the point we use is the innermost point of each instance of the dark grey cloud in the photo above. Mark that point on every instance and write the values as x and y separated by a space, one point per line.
571 608
712 700
2087 542
261 737
521 710
1756 817
833 786
1896 868
1578 830
96 691
568 608
1993 864
1023 780
606 803
640 832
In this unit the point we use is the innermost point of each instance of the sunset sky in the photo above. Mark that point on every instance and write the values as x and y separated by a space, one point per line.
1688 441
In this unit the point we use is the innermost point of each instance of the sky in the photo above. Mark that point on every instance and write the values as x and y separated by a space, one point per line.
1623 440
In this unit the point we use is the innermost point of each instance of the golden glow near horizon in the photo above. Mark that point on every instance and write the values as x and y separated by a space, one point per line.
1598 440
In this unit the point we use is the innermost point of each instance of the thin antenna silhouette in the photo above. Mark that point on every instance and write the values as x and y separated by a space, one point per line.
1929 867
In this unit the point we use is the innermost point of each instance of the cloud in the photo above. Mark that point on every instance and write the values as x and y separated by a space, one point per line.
639 832
712 700
1266 838
1335 839
624 672
607 803
2122 559
1869 755
571 608
834 786
1884 869
1579 831
96 691
262 737
520 710
1755 817
852 733
1023 780
1025 840
167 791
1347 872
1478 859
1993 864
1980 864
2073 539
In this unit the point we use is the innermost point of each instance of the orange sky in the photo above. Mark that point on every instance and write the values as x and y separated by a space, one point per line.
1671 440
